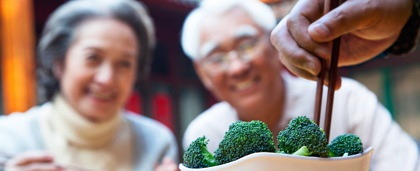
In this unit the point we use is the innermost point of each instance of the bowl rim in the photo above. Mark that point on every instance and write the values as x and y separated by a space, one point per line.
268 154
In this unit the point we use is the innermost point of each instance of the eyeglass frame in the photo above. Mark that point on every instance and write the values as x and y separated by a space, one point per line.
256 48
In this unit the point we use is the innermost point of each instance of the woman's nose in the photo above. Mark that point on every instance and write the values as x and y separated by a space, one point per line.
105 75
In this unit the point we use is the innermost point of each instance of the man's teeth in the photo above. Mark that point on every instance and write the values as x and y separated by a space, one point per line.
244 85
102 96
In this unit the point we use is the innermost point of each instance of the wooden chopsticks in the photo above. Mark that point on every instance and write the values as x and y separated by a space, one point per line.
319 88
328 6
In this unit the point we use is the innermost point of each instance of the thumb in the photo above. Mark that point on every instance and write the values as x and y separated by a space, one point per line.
348 17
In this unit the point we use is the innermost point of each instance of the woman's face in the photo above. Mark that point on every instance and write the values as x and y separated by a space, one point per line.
99 68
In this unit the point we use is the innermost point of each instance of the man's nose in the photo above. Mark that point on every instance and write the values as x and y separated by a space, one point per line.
238 67
105 75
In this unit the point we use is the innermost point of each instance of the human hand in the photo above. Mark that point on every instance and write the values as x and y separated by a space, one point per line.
367 27
31 161
168 164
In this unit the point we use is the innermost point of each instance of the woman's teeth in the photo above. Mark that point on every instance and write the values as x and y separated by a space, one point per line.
244 85
102 96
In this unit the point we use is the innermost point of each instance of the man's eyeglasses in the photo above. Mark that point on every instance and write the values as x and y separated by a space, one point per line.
219 62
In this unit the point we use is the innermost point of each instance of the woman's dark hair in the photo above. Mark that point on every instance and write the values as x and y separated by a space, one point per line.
61 27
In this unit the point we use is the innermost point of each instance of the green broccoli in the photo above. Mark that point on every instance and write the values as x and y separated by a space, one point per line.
197 155
244 138
303 151
302 132
347 143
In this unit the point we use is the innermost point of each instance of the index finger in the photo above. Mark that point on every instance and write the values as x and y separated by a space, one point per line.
30 157
290 50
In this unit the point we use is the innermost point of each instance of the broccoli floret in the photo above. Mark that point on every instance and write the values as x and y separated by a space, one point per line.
347 143
197 155
300 132
244 138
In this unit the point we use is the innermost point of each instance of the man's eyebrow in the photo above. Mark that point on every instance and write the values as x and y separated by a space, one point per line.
245 31
242 32
208 48
92 48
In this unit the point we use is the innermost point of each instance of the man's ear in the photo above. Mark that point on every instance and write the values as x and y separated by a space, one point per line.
203 76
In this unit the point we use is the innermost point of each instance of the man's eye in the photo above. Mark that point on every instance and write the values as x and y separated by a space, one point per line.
216 58
247 48
92 57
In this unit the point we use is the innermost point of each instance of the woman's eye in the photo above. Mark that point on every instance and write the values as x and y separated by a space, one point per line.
93 59
125 64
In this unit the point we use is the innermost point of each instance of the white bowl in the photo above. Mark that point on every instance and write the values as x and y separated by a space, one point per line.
284 162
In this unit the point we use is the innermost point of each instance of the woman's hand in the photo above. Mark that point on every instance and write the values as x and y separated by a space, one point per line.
31 161
367 27
168 164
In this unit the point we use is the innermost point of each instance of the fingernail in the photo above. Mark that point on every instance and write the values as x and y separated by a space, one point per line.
310 67
321 30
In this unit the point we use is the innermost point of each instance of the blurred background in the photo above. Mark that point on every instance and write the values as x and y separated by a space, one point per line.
173 94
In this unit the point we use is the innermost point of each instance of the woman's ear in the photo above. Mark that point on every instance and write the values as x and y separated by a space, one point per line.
57 70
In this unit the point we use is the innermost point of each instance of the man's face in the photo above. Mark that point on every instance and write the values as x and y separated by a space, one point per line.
246 84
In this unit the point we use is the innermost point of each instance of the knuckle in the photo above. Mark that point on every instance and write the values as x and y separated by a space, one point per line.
307 42
291 21
297 57
340 17
370 6
274 37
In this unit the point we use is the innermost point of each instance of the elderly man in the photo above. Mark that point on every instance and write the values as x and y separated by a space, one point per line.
229 43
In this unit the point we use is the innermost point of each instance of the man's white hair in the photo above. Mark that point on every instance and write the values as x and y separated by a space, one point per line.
191 31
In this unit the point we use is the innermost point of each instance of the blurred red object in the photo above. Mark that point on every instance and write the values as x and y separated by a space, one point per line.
162 109
134 103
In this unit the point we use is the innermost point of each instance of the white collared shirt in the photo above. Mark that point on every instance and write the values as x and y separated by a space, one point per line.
356 110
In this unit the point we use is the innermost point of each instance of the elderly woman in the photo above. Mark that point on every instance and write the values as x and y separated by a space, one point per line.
90 55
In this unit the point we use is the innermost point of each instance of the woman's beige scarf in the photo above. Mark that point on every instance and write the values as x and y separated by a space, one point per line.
72 139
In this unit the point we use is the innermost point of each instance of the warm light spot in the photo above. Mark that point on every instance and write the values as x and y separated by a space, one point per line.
17 55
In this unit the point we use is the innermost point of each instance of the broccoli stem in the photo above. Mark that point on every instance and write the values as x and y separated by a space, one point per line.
281 152
208 157
331 154
344 155
303 151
